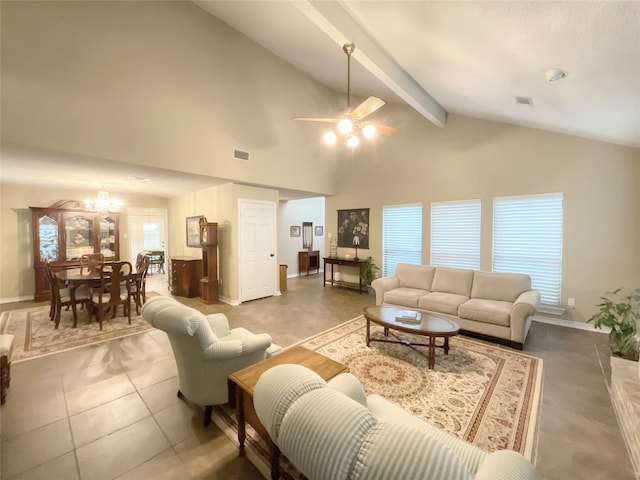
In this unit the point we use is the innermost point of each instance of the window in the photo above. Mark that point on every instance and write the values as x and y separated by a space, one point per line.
527 238
401 236
455 234
151 239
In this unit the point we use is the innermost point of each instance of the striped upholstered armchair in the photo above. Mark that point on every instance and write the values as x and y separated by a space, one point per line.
205 349
334 431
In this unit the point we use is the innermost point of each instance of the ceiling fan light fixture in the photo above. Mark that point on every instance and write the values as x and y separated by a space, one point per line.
369 131
555 74
353 141
330 138
345 126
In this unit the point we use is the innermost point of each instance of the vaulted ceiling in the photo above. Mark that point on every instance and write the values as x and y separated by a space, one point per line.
467 57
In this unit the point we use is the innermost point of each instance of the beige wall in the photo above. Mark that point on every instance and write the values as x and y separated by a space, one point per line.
476 159
16 237
294 212
160 84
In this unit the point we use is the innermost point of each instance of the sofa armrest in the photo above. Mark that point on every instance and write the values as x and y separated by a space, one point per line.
220 351
350 386
219 324
506 465
524 306
384 284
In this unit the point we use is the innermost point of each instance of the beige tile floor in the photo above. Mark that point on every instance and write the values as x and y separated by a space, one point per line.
111 411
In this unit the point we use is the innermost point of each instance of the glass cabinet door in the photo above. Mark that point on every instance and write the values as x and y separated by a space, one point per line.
107 237
48 238
79 236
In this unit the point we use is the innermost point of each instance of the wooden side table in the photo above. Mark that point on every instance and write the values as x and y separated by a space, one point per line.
244 381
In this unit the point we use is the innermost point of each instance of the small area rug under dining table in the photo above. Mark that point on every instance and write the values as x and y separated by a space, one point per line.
486 394
35 335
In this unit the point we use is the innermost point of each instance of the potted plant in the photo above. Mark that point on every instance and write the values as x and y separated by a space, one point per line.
622 315
368 271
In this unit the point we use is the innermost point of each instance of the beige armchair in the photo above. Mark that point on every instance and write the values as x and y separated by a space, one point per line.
205 349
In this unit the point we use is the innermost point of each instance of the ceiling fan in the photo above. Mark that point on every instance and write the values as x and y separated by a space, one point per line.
350 123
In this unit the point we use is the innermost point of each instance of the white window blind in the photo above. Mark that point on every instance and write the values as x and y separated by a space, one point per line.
527 238
401 236
455 234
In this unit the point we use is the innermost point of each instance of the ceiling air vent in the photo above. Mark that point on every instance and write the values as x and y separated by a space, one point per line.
240 155
524 101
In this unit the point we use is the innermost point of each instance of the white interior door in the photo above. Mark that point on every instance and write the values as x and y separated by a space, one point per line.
257 243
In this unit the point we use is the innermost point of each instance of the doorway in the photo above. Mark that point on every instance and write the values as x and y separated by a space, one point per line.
147 231
257 249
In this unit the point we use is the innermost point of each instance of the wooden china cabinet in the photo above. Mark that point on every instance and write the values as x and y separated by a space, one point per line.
63 233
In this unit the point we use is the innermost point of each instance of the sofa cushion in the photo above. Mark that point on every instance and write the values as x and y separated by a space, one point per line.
452 280
397 451
407 297
487 311
499 286
386 411
415 276
442 302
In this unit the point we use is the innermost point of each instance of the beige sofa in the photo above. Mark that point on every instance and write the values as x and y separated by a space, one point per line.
334 431
485 304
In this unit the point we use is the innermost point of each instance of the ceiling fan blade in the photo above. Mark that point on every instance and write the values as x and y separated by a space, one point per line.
382 129
311 119
367 107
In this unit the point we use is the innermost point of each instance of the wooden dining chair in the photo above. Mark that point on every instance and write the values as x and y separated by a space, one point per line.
90 263
114 290
61 296
139 281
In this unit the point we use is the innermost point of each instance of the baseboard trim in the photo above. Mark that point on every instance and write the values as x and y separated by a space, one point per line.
16 299
569 324
233 303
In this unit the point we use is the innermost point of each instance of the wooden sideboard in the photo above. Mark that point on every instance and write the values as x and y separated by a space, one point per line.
345 262
308 260
184 278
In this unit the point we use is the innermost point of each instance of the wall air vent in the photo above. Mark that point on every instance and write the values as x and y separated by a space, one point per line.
240 155
524 101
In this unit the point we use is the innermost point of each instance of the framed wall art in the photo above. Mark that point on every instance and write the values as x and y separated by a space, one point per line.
353 228
295 231
319 231
193 231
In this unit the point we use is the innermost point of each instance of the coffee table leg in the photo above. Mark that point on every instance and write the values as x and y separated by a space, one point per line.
386 332
432 352
242 427
446 345
368 331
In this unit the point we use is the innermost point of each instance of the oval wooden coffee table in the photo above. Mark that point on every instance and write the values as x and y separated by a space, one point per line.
426 325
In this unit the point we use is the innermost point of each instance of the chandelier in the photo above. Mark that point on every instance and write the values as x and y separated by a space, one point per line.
103 203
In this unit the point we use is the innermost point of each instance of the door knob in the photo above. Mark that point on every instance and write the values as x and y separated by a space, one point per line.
272 255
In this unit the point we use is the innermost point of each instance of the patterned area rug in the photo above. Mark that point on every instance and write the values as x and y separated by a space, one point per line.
35 335
484 394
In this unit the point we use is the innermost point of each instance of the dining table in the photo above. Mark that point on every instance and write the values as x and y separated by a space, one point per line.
75 277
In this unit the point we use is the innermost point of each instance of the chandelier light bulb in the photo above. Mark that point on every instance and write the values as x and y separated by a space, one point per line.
369 131
330 138
345 126
353 141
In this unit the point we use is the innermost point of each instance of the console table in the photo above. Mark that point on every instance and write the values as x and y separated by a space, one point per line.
308 260
347 262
